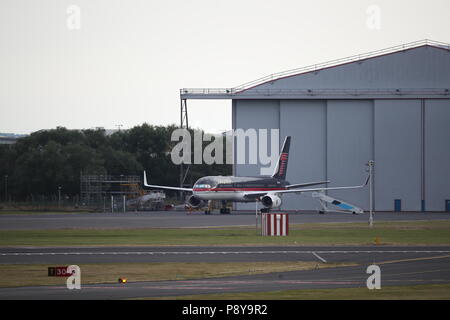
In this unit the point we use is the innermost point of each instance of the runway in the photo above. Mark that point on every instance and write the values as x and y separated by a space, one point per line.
425 270
174 219
327 254
399 266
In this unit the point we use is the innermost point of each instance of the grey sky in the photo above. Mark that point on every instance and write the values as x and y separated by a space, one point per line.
127 62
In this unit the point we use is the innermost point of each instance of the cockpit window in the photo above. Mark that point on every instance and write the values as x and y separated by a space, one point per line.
202 186
205 183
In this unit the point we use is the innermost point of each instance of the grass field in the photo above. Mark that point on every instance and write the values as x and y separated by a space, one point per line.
389 233
418 292
16 275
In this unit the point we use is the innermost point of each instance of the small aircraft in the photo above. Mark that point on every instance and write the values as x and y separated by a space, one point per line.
266 189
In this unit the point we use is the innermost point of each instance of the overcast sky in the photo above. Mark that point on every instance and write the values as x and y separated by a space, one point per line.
123 62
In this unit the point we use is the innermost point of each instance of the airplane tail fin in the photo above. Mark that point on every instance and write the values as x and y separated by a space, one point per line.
281 168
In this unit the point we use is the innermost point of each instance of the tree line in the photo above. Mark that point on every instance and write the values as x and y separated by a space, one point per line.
47 159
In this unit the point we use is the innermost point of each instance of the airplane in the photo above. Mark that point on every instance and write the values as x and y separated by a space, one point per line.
266 189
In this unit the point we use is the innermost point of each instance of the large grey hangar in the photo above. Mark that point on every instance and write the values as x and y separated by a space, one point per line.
391 106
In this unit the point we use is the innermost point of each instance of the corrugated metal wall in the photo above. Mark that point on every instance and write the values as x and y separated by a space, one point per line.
333 139
349 147
422 67
437 154
398 154
244 112
305 121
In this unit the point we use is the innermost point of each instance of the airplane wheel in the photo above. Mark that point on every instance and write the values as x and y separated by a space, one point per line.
321 212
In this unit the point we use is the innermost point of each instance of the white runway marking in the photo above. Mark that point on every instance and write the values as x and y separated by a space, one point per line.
319 257
315 253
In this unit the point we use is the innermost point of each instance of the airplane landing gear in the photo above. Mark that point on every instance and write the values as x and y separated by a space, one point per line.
224 209
210 207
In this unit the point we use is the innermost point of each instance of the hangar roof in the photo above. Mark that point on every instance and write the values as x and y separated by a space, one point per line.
416 69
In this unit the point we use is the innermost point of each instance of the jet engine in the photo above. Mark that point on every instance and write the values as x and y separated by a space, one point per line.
195 202
271 201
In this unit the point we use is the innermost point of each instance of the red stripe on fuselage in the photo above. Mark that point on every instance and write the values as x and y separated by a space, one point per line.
240 189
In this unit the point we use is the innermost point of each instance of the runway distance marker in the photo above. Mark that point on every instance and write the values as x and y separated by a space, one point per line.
58 272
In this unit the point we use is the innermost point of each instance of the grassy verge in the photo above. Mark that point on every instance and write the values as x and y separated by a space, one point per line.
411 232
16 275
392 225
418 292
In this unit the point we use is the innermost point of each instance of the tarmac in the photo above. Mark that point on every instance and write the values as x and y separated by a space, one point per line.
176 219
408 268
400 265
327 254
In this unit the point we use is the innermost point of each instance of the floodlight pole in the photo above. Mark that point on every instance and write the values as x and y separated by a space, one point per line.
256 217
370 165
6 188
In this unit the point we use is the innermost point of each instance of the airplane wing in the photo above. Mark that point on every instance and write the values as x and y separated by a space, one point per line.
301 185
163 187
256 194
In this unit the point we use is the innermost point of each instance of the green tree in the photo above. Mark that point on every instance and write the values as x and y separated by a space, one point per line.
48 159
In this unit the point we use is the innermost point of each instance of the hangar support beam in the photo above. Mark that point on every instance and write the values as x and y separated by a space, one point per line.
184 124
